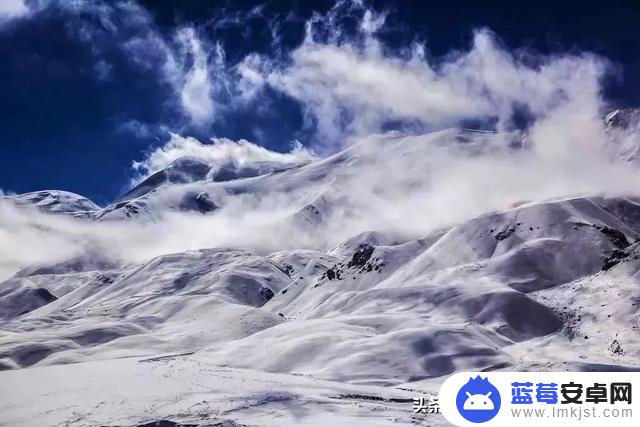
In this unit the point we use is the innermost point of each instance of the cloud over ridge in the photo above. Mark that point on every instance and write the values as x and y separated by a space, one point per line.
221 151
352 90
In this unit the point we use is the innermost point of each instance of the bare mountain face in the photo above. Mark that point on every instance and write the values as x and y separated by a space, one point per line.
361 318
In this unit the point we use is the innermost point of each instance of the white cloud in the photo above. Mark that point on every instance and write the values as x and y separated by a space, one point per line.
347 83
221 152
195 69
195 86
12 9
182 58
354 89
351 84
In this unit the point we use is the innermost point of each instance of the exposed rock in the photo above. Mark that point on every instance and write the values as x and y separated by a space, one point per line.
361 256
166 423
616 348
617 237
204 203
504 234
45 295
266 293
623 119
615 258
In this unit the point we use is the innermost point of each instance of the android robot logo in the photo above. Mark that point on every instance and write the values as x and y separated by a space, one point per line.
478 400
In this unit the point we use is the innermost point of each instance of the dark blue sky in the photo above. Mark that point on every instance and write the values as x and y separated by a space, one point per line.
70 92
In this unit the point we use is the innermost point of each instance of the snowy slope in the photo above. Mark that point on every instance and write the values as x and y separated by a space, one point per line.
182 183
55 201
190 391
622 128
342 314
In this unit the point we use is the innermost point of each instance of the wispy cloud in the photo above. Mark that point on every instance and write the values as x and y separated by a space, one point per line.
344 77
195 86
180 58
355 85
220 152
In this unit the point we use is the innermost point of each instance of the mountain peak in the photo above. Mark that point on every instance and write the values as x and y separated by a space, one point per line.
623 118
55 201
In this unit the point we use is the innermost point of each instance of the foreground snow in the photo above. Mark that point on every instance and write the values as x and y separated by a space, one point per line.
189 390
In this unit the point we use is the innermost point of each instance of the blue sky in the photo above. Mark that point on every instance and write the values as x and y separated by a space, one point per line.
88 87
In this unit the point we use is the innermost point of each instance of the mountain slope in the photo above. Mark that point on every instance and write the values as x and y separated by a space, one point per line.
348 281
479 272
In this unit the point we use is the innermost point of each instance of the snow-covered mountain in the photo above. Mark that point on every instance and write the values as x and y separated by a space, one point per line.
56 201
622 128
364 297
